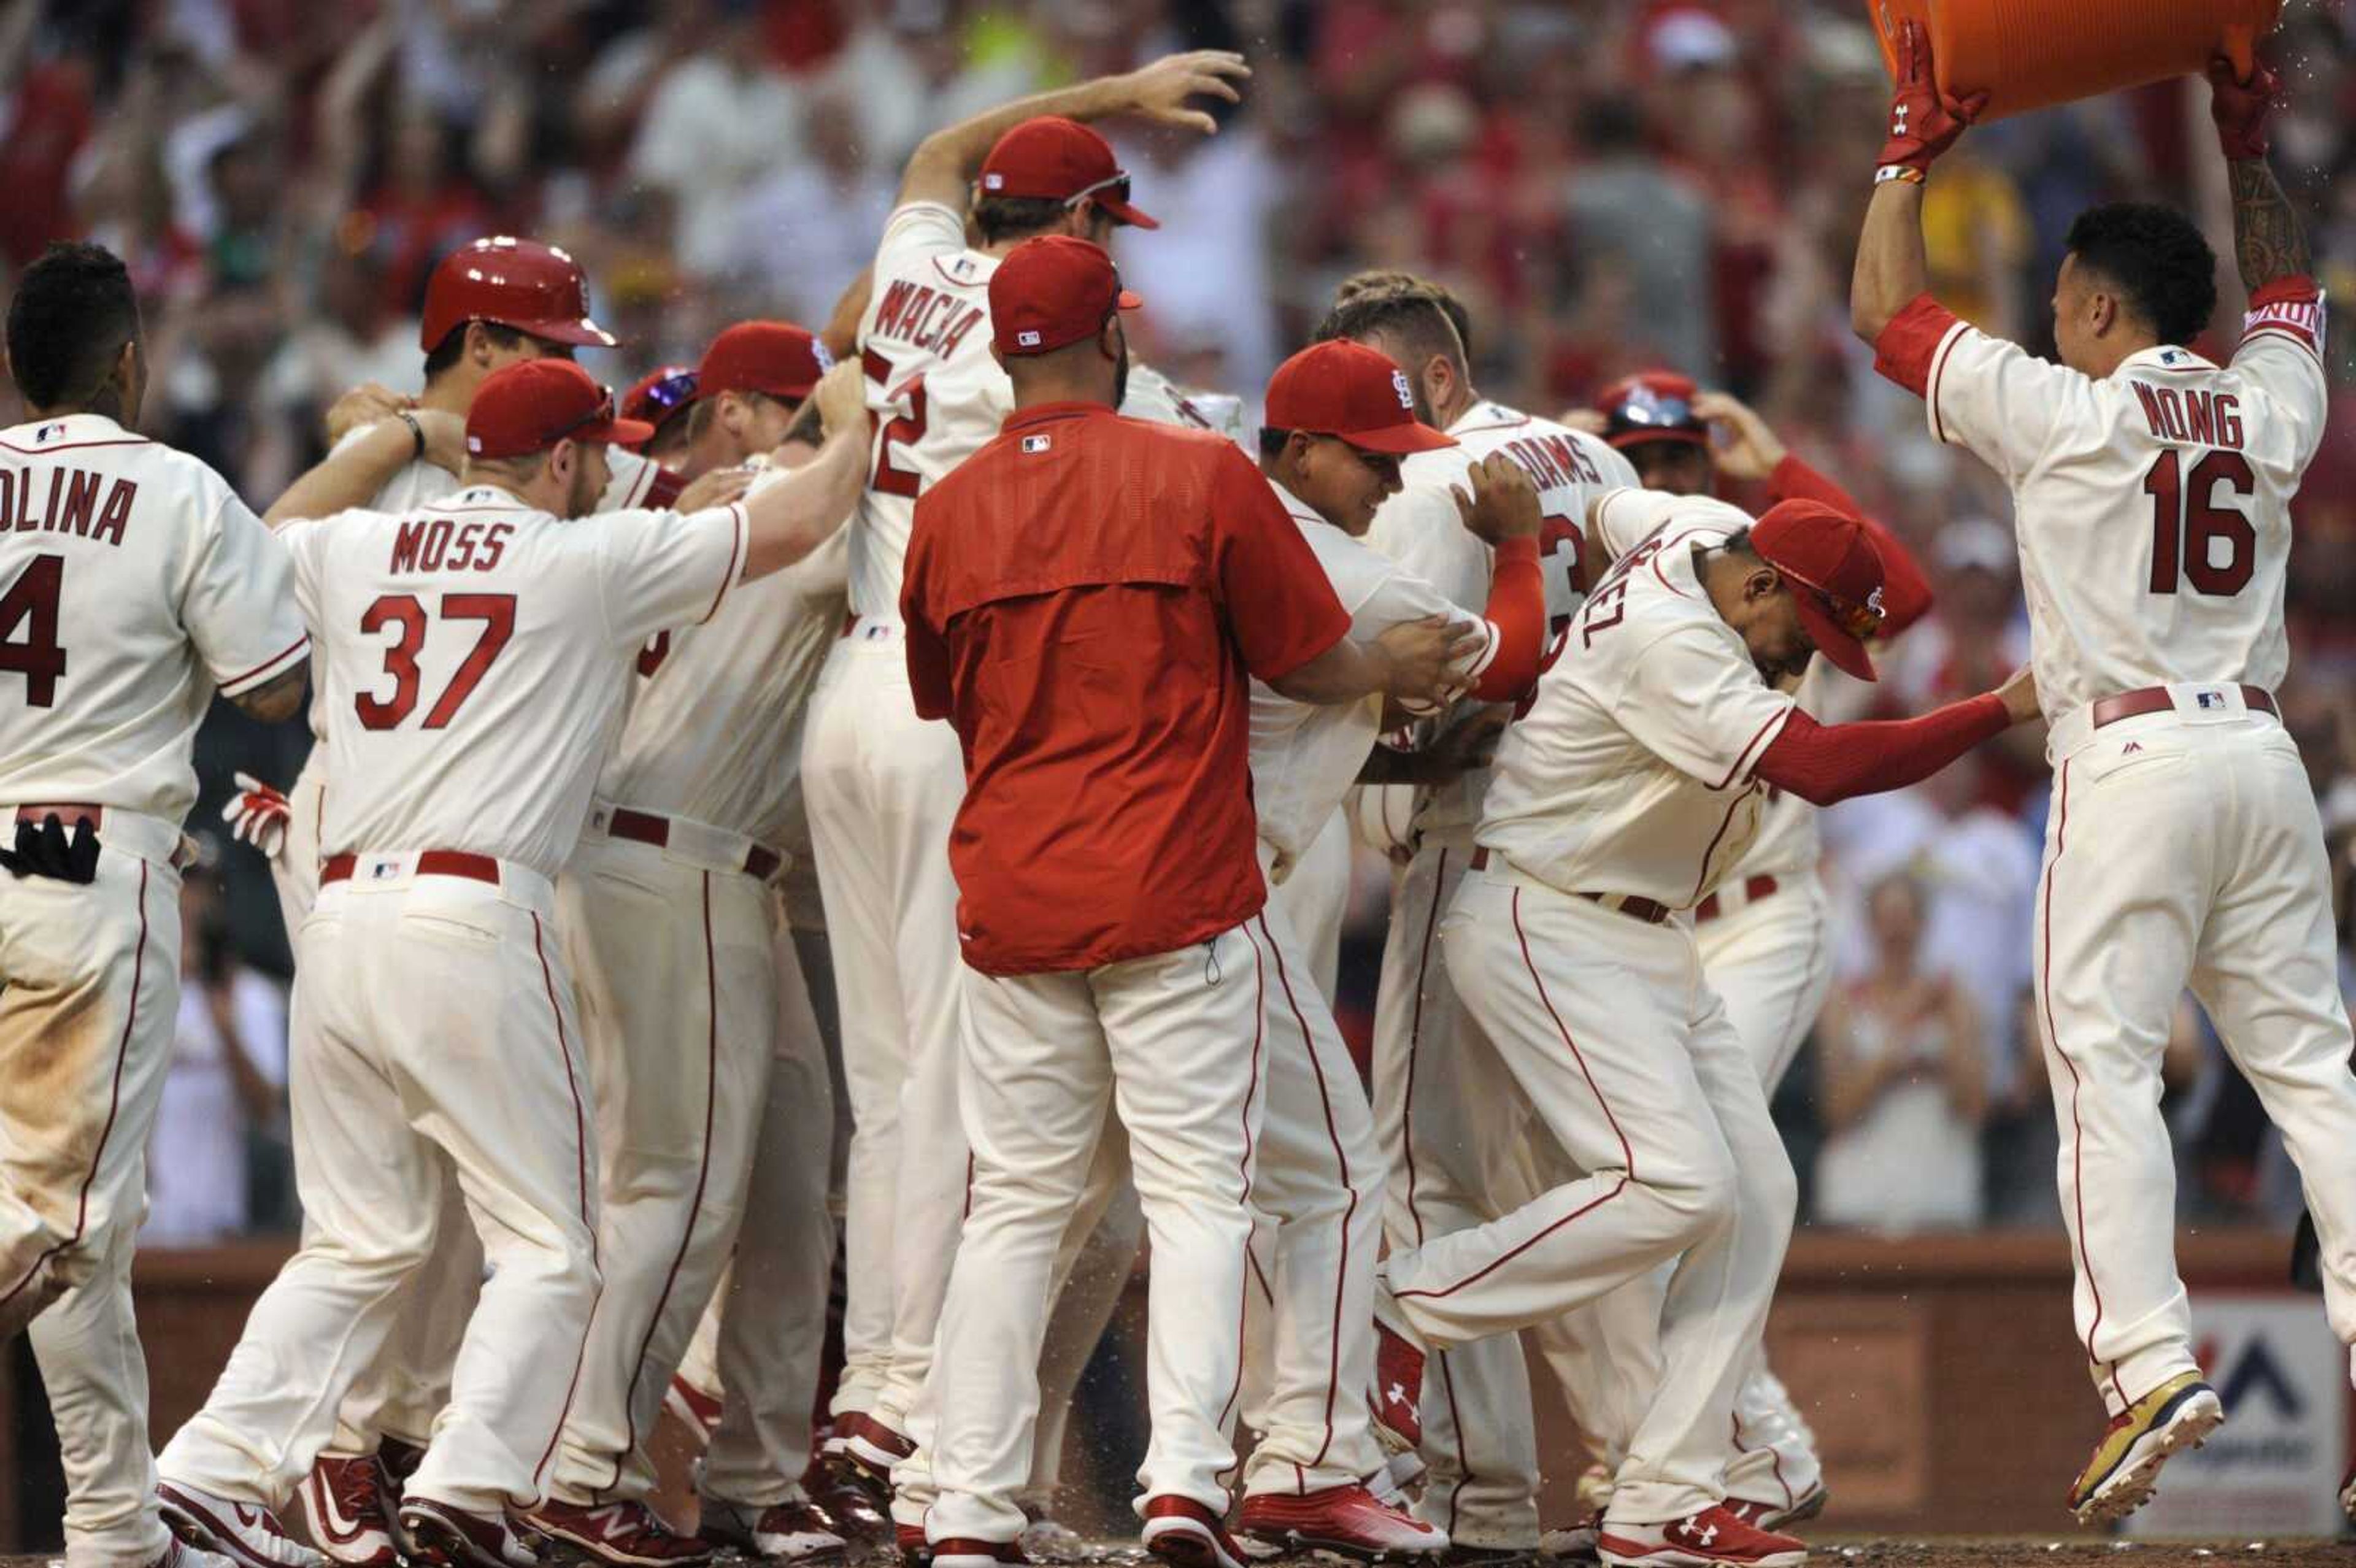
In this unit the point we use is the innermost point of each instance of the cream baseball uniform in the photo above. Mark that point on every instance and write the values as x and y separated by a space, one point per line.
1447 1112
673 945
406 1385
1628 777
481 653
2184 847
133 583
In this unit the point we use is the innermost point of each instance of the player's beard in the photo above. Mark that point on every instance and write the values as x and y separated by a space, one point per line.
1121 376
582 499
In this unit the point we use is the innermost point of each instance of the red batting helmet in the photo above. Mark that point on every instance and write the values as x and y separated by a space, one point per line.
520 284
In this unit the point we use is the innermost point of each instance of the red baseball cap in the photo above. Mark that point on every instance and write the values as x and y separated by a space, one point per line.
1354 393
518 283
530 407
1652 405
773 357
1054 159
659 396
1051 292
1835 572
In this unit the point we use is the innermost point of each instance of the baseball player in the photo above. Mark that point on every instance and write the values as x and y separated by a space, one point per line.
1626 788
1447 1111
1339 418
668 924
1760 936
1074 624
481 649
2151 490
882 784
662 398
490 303
134 584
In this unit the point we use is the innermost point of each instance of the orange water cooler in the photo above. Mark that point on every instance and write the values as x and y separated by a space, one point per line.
2027 54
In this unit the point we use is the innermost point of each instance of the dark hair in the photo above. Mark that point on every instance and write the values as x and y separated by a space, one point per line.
1393 280
1415 318
73 311
2158 260
1272 439
444 353
998 218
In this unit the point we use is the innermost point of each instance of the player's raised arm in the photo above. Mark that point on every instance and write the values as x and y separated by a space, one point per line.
945 163
359 468
2269 246
1891 268
791 516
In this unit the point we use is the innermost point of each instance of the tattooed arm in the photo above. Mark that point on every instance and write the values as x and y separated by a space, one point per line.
2268 241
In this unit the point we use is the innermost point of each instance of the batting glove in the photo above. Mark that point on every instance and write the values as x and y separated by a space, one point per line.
259 815
2240 107
1923 124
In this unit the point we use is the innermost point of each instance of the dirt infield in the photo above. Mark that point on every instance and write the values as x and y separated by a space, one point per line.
1947 1552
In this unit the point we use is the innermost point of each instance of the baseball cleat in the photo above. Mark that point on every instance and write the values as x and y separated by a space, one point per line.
960 1553
858 1503
448 1536
1183 1532
343 1511
795 1531
1574 1543
396 1461
1340 1521
1398 1390
1783 1515
245 1533
698 1409
1046 1539
179 1554
622 1535
908 1543
1713 1538
869 1443
2124 1471
2347 1494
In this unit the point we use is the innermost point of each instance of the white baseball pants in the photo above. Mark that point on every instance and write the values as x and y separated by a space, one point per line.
1173 1043
1449 1118
433 1031
1093 1271
1314 898
678 985
2184 849
89 986
882 788
1624 1053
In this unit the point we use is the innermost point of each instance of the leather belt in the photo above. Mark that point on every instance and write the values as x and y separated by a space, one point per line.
430 863
761 862
1650 910
2158 698
1754 889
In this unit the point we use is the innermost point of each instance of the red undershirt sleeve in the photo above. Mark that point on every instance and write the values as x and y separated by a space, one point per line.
1517 609
1826 763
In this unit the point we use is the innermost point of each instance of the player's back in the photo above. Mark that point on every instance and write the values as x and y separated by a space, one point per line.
480 650
133 582
937 395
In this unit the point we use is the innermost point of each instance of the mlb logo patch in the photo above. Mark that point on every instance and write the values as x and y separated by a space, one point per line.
993 182
1033 444
2209 698
1026 340
50 433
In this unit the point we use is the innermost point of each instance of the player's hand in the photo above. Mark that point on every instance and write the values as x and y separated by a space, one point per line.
364 404
715 488
2019 693
258 814
1746 448
43 850
1158 93
841 399
446 437
1502 504
1922 123
1587 422
2240 107
1424 658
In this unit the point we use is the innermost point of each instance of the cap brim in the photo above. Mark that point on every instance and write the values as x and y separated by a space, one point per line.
583 333
1136 218
1849 655
1399 439
614 432
1628 438
1126 300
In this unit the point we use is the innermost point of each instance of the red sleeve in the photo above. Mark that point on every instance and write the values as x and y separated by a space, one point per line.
928 653
1906 595
1903 351
1826 763
2292 307
1279 608
1517 609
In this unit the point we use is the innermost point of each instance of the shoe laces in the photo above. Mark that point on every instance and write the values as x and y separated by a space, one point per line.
353 1486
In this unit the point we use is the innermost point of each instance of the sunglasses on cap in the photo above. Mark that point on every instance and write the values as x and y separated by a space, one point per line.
1114 186
602 414
1860 619
1645 409
667 394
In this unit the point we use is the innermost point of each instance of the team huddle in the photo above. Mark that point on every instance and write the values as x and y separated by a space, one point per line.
1053 704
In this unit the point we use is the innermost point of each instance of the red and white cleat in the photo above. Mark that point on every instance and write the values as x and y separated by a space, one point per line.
620 1535
698 1409
448 1536
1779 1516
246 1533
1183 1532
343 1509
1713 1538
869 1443
1399 1389
795 1531
1345 1522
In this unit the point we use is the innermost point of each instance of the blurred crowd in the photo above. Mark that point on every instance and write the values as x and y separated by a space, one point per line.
1611 185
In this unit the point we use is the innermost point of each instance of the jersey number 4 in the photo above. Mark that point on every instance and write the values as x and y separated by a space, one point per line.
2186 520
30 605
403 613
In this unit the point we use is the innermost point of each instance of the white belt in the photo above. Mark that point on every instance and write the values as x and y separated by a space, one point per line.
2193 702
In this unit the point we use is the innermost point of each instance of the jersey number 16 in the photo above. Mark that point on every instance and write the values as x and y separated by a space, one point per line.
2186 520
